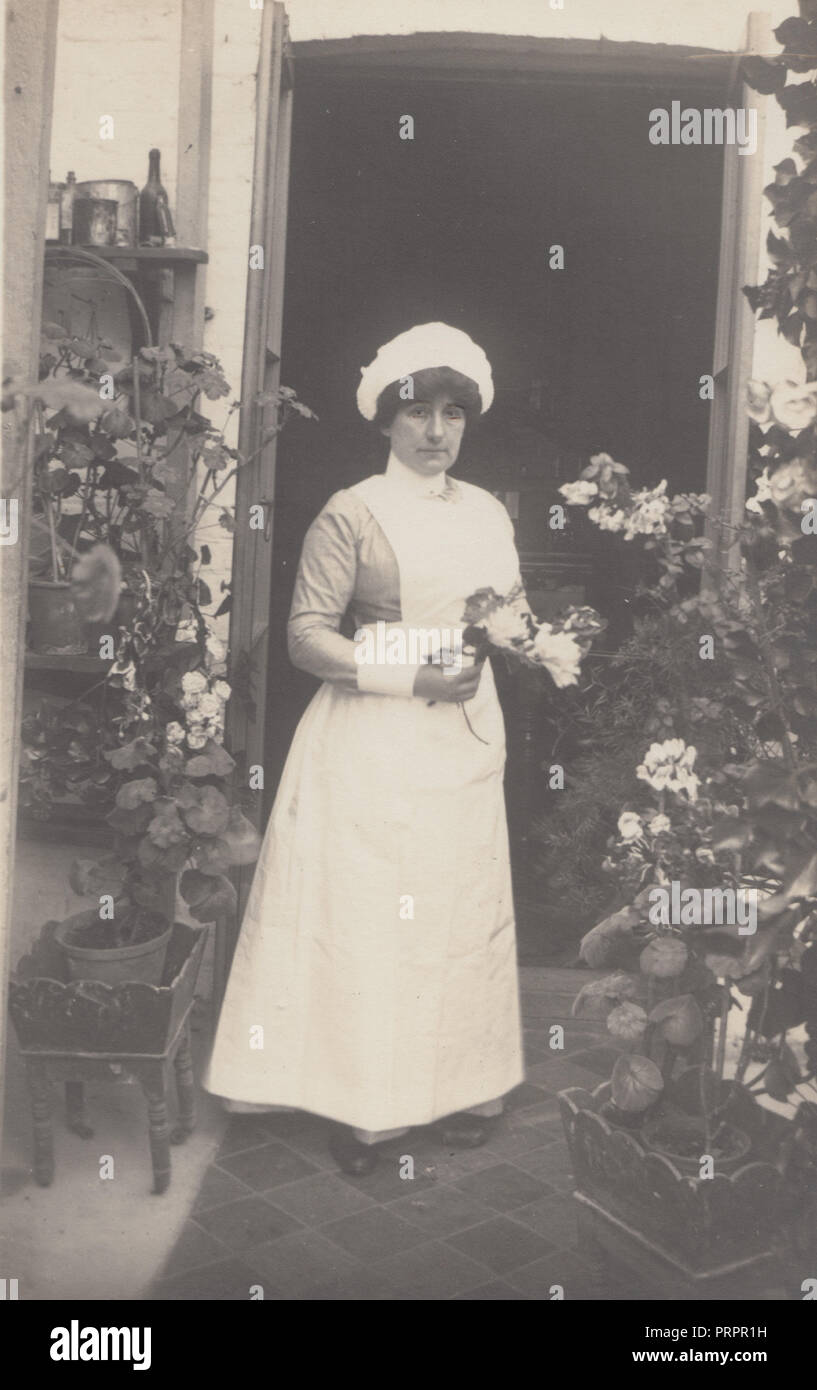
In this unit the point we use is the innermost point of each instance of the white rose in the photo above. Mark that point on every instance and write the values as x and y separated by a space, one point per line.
660 825
669 765
757 402
790 485
763 494
506 626
559 654
174 732
196 741
608 519
629 826
578 494
792 406
193 682
222 690
209 705
649 514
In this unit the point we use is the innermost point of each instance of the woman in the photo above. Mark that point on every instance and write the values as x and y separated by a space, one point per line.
374 980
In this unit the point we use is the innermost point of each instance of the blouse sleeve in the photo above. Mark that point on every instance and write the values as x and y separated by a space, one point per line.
323 590
324 587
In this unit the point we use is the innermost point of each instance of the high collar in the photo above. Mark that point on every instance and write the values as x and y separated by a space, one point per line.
413 483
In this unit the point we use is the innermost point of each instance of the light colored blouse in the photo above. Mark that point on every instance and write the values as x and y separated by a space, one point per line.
347 564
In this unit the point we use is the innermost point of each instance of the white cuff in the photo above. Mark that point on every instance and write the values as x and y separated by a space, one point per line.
377 678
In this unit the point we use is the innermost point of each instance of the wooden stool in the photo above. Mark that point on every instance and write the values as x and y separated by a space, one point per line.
80 1031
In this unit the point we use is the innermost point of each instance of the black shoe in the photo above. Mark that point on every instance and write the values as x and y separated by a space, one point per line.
350 1155
464 1131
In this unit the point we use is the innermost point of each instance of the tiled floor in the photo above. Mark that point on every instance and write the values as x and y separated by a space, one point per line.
275 1219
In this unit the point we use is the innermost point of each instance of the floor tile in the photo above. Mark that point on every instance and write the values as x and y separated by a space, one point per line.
243 1132
528 1093
357 1286
194 1247
294 1266
561 1268
315 1200
432 1271
503 1187
521 1131
306 1134
558 1075
551 1165
553 1217
218 1187
226 1281
600 1060
578 1038
501 1244
373 1234
268 1165
493 1292
448 1165
439 1211
387 1183
249 1221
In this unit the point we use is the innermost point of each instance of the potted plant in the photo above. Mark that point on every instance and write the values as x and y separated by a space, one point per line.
68 451
147 750
130 947
716 1014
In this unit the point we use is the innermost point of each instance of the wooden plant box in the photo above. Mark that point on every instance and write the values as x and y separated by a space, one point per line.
700 1230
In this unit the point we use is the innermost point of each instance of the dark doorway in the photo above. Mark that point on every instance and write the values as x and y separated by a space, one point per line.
458 224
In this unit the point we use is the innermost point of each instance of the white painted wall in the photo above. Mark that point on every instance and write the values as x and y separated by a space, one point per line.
116 60
122 60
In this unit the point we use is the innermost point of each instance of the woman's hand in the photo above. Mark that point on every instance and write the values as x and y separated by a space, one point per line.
434 683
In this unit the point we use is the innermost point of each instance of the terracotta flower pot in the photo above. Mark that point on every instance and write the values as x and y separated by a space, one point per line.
54 624
662 1135
143 962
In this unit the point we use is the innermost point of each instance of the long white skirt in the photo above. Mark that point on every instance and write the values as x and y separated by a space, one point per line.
375 980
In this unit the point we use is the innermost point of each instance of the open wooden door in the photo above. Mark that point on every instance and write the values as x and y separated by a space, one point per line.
252 553
734 320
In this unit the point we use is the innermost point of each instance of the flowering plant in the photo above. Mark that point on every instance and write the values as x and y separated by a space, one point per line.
148 754
666 525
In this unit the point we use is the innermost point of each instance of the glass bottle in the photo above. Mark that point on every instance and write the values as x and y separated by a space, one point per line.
155 222
52 211
67 208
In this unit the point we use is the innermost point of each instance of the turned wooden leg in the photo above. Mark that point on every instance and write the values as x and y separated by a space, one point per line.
185 1089
75 1109
40 1089
153 1085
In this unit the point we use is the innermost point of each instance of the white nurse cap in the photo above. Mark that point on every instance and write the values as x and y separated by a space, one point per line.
426 345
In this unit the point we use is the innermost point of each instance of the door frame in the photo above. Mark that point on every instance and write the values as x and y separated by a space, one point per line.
501 58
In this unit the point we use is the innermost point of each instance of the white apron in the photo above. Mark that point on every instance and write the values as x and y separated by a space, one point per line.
377 952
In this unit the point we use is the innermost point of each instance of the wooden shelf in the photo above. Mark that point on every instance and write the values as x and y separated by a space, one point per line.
65 661
163 255
70 825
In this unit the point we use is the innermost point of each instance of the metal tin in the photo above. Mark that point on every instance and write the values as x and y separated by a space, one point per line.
95 221
126 196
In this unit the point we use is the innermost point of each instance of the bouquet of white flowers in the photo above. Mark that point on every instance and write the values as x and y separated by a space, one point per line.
505 623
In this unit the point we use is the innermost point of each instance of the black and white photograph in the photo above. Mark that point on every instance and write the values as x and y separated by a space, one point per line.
408 548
